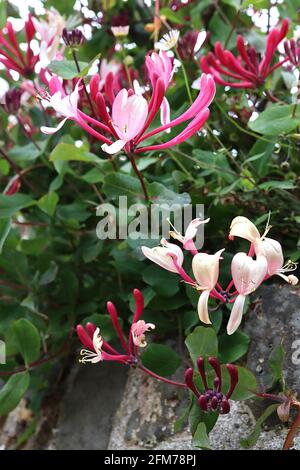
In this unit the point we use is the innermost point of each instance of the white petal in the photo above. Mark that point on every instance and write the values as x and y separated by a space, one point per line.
202 307
52 130
165 114
113 148
200 40
236 314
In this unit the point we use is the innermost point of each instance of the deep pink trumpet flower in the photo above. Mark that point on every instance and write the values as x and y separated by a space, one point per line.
11 55
212 399
247 70
97 349
131 115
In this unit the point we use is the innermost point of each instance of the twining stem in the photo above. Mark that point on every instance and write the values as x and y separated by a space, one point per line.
28 134
292 432
162 379
139 175
83 84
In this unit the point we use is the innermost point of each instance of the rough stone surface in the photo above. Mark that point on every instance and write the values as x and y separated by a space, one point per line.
92 396
147 413
275 318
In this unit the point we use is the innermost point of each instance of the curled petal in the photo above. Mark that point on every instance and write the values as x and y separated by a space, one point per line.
203 307
236 314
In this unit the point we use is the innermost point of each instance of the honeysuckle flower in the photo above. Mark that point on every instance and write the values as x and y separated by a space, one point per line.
67 106
246 70
244 228
11 55
73 38
212 399
97 349
272 251
161 66
129 114
50 32
247 275
168 41
206 271
120 31
168 256
138 331
95 355
187 239
12 100
63 104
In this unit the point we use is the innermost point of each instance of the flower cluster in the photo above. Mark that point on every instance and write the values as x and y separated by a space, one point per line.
264 259
125 126
247 70
97 349
212 399
10 53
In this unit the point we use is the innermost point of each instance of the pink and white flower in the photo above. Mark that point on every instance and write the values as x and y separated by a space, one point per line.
206 271
272 251
138 331
187 239
168 256
129 114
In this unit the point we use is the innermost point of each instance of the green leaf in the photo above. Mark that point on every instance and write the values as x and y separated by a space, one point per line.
202 342
162 281
69 152
48 203
232 348
180 421
66 68
28 340
273 184
117 184
84 71
10 205
5 226
48 276
251 440
275 120
276 360
12 392
200 438
177 17
161 359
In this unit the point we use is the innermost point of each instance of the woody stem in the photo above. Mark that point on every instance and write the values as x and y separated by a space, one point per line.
292 432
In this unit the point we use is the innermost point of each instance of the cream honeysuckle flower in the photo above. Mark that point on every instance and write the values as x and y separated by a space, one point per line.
190 233
96 355
164 255
206 271
120 31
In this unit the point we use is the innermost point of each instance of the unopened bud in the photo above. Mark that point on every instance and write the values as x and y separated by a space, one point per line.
73 38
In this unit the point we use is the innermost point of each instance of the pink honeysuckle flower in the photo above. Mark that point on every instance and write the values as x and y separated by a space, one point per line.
188 239
161 66
67 106
190 43
97 349
247 275
246 70
11 54
206 271
272 251
129 114
165 255
138 331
